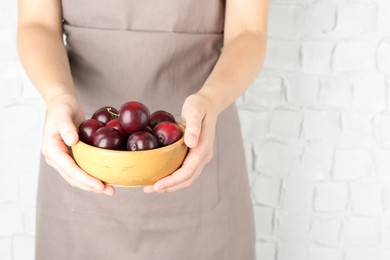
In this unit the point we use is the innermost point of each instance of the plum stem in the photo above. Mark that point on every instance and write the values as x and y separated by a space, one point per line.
111 112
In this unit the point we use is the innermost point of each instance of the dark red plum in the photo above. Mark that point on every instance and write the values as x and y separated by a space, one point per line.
114 123
108 138
141 140
167 133
160 116
133 116
87 129
105 114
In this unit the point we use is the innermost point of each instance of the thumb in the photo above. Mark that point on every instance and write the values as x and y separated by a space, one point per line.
67 130
193 123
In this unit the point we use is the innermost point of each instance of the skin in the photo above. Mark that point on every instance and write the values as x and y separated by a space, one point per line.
44 58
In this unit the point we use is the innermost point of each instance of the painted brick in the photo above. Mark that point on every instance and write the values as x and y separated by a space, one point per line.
10 85
28 89
384 254
316 57
355 141
361 231
255 124
8 52
361 254
321 124
370 93
11 220
29 221
352 164
336 92
385 231
383 56
325 253
283 55
285 21
249 157
23 247
302 90
317 160
282 117
28 178
360 123
23 130
297 196
354 56
382 129
383 19
386 195
266 91
292 250
265 251
264 221
8 18
320 18
331 196
356 19
267 191
291 226
326 230
5 248
20 187
367 197
9 182
382 163
275 158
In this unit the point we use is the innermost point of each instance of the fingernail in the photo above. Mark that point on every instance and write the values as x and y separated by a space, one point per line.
70 139
158 187
191 141
108 192
148 189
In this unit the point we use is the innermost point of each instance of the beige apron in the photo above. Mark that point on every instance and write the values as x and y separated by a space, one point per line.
156 52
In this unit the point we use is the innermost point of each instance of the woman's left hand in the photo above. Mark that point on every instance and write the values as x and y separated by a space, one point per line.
200 118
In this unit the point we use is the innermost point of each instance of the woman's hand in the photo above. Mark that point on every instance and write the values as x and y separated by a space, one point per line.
64 113
200 117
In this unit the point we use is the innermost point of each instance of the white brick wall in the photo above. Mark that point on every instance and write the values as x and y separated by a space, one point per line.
316 124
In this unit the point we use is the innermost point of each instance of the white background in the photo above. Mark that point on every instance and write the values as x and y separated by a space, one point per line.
316 126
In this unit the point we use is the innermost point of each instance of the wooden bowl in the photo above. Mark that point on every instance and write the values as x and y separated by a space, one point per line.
130 168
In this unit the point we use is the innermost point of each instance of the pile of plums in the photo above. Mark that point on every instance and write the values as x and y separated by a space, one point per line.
131 128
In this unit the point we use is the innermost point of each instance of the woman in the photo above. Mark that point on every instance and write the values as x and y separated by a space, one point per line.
167 57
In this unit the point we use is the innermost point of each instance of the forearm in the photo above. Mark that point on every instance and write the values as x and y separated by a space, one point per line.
237 67
44 58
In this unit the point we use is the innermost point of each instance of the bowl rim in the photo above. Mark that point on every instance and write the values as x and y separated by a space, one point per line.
123 152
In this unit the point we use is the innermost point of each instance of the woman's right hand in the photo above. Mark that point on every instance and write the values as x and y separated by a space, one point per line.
63 114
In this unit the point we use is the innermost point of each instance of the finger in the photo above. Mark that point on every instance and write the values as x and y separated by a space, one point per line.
66 127
66 164
148 189
69 180
59 156
108 190
192 118
81 179
185 184
68 131
182 175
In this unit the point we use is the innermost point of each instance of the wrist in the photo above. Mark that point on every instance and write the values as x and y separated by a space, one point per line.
60 98
215 99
